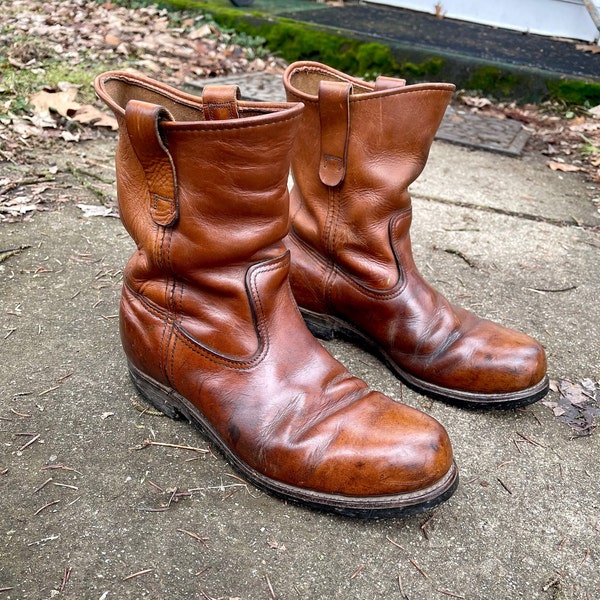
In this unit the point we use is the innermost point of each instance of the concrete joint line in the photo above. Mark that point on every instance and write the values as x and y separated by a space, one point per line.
512 213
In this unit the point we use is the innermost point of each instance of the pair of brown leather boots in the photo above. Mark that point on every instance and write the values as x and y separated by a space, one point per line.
209 312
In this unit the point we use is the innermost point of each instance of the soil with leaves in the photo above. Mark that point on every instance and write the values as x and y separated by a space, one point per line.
568 136
50 53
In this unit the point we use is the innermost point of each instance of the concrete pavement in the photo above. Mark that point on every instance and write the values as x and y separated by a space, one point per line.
90 510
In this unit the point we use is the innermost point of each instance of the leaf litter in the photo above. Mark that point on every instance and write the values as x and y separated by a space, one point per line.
52 50
577 404
570 137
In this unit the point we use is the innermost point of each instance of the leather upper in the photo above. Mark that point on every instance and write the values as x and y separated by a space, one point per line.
350 237
207 310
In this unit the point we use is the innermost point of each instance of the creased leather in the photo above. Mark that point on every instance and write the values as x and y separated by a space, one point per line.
207 310
351 250
143 121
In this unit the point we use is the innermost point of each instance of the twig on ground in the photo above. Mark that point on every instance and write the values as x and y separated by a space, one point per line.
147 443
418 568
65 579
31 441
271 591
43 485
448 593
39 510
137 574
195 536
391 541
357 572
402 592
504 485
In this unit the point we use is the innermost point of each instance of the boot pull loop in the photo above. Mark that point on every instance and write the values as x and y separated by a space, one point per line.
220 102
388 83
334 108
142 120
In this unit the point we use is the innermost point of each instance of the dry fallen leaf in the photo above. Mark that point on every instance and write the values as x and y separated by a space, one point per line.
61 102
595 111
593 48
475 102
558 166
93 210
577 404
89 114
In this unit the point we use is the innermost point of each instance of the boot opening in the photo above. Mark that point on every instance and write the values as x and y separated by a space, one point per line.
306 78
118 88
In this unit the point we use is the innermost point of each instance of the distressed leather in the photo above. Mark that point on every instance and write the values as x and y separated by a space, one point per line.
351 251
207 311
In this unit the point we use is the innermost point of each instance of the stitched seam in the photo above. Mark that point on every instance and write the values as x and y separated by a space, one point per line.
197 347
328 221
177 322
187 129
357 97
214 106
385 295
400 91
156 197
337 198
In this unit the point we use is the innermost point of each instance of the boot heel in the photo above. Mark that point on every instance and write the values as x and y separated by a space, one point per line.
321 326
154 393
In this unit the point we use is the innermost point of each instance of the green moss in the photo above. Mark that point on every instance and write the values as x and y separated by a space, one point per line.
294 41
426 69
575 92
494 81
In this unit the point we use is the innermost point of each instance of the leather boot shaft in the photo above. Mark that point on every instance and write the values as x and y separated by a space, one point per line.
188 189
368 142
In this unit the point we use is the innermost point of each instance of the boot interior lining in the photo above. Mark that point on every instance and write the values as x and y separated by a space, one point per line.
182 109
122 92
307 81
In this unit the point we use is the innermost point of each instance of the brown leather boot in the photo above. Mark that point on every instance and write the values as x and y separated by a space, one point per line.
359 148
209 324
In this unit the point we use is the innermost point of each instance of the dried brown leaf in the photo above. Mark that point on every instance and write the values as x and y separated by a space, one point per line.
88 114
566 168
61 102
593 48
475 102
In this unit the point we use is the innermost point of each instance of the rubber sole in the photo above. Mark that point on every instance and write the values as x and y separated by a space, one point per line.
173 405
327 327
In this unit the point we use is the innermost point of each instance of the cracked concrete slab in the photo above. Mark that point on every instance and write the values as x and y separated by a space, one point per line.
89 511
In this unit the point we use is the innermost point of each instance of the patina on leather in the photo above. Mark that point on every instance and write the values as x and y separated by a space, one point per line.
208 321
353 272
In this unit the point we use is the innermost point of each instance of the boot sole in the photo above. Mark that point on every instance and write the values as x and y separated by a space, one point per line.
327 327
173 405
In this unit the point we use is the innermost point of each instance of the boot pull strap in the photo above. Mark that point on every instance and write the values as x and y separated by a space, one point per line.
388 83
142 120
220 102
334 109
